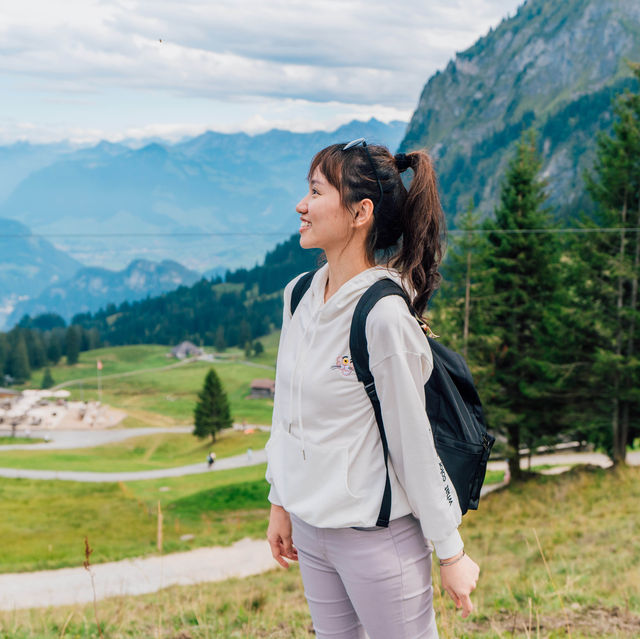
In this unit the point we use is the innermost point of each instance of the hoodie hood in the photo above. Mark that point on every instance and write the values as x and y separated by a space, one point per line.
349 293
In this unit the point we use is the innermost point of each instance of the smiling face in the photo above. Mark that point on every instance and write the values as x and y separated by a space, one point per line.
324 223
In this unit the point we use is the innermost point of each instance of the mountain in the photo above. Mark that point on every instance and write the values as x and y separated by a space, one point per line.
93 288
115 204
28 264
554 66
19 160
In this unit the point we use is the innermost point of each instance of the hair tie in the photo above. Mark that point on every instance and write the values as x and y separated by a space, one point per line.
403 161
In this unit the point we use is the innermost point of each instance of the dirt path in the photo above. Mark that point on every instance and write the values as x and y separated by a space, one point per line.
237 461
76 438
134 576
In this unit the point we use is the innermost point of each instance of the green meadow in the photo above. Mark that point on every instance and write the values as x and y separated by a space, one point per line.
46 521
157 390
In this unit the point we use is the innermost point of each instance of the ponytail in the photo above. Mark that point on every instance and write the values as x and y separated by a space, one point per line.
424 229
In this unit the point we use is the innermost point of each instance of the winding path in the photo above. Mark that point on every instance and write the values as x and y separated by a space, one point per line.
237 461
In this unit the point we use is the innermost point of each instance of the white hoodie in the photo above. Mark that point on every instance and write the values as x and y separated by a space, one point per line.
325 459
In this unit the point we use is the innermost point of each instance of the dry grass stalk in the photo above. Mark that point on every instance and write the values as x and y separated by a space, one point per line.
66 623
87 566
553 585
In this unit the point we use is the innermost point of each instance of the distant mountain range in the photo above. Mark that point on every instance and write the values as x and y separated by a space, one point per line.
554 66
93 288
164 201
28 264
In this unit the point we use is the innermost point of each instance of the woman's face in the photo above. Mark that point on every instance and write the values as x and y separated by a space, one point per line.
324 223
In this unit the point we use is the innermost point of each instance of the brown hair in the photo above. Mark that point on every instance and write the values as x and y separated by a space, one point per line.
408 232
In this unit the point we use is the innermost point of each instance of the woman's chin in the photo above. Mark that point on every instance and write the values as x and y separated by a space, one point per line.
306 242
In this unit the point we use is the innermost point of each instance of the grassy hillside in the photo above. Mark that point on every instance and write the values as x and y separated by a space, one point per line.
47 521
156 390
560 557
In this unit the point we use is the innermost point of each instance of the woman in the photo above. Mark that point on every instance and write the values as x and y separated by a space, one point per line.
326 465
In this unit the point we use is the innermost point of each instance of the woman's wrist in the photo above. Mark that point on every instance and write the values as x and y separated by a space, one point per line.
449 561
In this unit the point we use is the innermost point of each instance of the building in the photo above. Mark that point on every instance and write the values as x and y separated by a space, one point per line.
186 349
262 388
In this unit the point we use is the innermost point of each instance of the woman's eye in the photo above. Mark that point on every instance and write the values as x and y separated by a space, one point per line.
314 191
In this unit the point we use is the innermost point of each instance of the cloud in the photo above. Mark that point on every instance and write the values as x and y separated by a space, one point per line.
351 51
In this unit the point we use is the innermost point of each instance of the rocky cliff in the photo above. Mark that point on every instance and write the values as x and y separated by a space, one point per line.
553 66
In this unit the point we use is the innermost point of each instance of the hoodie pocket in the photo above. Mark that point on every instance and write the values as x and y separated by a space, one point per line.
313 485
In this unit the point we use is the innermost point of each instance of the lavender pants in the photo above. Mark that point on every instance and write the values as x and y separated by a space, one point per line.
374 580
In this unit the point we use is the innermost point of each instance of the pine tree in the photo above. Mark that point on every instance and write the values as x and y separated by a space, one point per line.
516 308
607 318
18 359
47 379
220 343
72 344
54 347
212 412
463 271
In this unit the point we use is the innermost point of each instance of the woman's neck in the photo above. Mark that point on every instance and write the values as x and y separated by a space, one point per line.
342 267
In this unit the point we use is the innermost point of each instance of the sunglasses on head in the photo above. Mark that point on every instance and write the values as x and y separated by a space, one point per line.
362 141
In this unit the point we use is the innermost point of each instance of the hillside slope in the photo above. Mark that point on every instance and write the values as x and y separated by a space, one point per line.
554 66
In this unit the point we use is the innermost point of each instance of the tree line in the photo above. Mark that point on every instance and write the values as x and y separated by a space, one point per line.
548 320
42 342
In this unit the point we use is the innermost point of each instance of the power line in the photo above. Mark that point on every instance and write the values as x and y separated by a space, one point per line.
191 234
281 233
540 231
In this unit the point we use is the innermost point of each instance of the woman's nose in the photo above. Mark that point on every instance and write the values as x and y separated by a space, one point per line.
301 206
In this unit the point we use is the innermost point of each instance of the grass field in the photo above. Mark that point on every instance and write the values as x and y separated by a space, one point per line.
46 522
146 452
166 395
560 557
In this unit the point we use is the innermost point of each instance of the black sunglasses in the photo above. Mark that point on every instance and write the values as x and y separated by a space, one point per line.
373 166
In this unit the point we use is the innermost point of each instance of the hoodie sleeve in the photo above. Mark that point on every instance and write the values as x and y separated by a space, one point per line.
286 320
401 362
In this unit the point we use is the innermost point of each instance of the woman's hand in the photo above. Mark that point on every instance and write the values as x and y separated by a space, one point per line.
459 580
279 536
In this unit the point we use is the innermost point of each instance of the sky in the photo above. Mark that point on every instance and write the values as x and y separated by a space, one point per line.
87 70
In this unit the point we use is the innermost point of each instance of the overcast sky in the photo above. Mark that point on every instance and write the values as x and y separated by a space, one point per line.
87 70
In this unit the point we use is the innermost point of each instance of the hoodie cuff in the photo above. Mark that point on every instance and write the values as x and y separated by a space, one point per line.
273 496
450 546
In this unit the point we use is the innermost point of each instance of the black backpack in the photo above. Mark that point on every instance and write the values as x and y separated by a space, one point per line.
452 402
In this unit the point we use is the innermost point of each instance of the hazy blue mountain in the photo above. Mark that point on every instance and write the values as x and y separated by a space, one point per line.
93 288
554 65
19 160
164 199
28 264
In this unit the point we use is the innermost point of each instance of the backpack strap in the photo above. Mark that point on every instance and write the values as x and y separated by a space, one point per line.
360 359
300 289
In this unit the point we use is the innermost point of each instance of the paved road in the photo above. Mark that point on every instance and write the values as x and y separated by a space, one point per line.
67 439
134 576
568 459
237 461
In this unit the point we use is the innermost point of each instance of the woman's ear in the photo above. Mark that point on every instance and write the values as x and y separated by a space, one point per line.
364 213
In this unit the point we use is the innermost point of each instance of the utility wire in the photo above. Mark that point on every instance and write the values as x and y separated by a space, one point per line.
635 229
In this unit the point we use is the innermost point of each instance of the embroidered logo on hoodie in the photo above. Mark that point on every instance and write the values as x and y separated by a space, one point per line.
344 365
